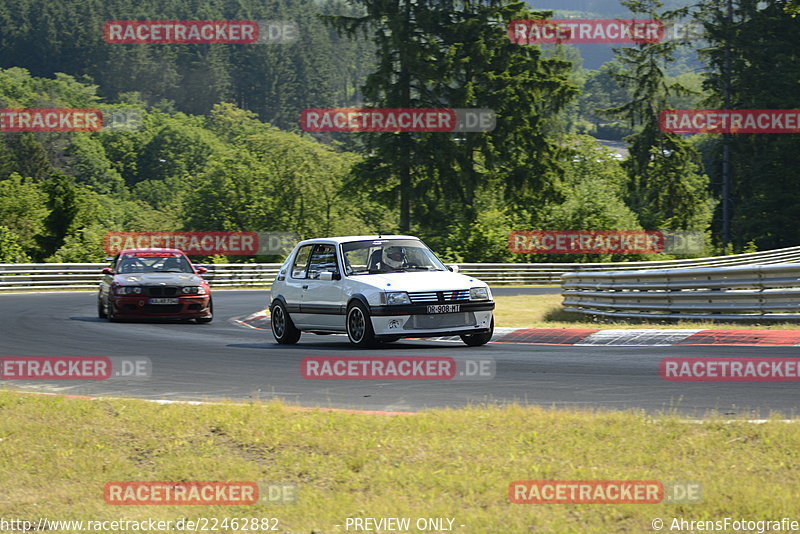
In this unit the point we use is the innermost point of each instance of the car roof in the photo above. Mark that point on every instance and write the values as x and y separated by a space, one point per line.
351 238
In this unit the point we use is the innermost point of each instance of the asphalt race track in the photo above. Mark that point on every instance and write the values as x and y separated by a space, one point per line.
225 360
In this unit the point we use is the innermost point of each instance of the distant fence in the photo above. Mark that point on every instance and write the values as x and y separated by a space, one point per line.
33 276
750 292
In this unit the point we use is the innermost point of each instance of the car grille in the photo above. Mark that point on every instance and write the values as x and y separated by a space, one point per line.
455 295
160 291
444 320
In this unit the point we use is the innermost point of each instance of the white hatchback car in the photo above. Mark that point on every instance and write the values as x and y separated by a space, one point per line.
376 289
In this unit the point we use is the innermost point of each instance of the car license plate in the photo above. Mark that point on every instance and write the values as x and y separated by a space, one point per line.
444 308
163 301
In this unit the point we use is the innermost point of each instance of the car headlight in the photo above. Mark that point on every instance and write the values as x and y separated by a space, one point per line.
478 293
128 290
193 290
397 297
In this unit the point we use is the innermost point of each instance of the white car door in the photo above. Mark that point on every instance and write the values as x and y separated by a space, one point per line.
321 303
292 290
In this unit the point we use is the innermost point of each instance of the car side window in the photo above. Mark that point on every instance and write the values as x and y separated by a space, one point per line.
301 261
323 259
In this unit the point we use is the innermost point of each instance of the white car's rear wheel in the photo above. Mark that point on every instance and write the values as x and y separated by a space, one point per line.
359 326
284 330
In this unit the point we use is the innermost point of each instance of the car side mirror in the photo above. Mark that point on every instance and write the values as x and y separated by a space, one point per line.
329 275
108 270
453 268
201 270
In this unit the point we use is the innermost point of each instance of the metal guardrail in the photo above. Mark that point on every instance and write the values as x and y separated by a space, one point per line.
750 292
32 276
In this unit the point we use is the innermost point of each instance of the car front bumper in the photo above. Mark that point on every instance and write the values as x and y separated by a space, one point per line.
191 306
445 319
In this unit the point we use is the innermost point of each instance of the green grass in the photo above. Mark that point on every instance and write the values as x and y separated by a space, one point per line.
57 454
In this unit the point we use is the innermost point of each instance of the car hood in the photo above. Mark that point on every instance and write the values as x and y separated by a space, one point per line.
419 281
155 279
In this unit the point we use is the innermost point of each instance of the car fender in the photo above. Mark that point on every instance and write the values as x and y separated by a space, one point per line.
289 308
360 297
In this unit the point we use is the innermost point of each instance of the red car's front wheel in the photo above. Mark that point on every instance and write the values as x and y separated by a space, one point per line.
110 311
205 320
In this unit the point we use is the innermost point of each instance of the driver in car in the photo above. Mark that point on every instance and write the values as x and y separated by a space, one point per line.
393 259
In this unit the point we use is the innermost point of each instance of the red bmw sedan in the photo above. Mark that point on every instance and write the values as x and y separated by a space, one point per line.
154 282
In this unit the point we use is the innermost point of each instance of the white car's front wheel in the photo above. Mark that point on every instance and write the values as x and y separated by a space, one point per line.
476 340
359 325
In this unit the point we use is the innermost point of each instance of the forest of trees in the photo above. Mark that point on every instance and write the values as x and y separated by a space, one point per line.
219 147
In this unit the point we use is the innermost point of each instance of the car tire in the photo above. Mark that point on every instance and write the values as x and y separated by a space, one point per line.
110 311
284 330
206 320
476 340
101 312
359 326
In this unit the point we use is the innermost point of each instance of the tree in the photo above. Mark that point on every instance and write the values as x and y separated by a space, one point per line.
594 189
456 54
23 210
10 249
665 188
759 71
88 163
278 181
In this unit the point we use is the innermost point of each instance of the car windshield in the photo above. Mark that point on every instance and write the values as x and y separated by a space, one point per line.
388 255
154 263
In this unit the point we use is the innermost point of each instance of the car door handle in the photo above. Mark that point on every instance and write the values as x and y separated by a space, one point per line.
305 286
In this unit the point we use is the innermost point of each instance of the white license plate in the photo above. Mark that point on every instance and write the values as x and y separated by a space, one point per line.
444 308
163 301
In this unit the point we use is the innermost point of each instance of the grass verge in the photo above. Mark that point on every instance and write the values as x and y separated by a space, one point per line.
57 453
